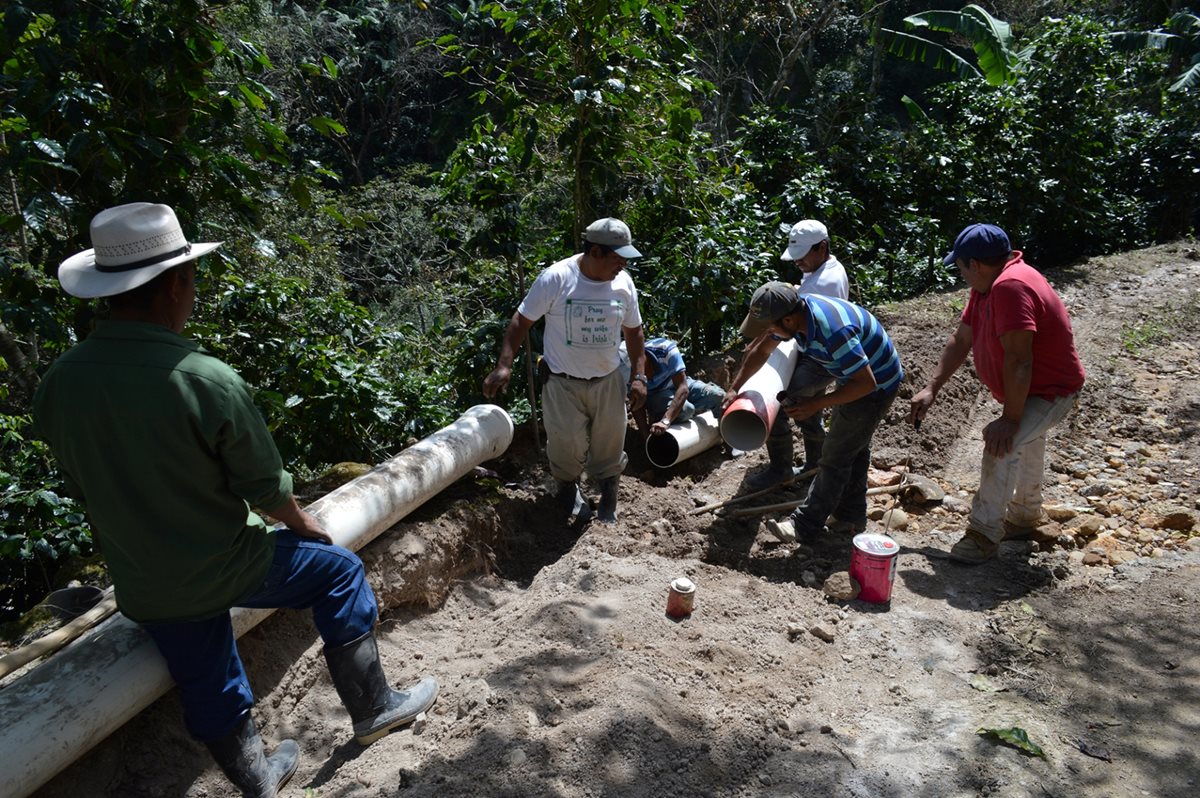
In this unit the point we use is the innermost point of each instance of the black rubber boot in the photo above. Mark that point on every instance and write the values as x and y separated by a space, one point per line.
374 707
607 513
244 762
574 506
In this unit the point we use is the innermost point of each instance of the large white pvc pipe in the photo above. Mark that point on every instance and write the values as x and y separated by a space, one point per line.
58 711
683 440
749 418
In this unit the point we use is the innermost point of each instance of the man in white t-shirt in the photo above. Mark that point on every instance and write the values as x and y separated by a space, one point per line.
821 273
589 302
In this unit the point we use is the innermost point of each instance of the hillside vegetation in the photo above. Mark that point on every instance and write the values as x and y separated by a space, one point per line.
387 176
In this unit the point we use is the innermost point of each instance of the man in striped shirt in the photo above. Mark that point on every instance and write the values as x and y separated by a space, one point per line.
851 344
820 273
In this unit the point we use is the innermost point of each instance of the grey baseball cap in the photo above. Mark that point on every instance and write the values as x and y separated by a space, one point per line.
770 303
612 233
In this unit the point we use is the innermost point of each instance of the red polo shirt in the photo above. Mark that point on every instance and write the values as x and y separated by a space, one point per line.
1021 299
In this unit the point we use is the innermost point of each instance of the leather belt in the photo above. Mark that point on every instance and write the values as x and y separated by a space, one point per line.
577 379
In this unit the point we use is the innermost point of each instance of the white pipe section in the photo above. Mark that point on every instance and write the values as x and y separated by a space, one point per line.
749 418
683 440
55 713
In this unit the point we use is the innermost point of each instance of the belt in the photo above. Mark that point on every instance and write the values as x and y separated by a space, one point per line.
577 379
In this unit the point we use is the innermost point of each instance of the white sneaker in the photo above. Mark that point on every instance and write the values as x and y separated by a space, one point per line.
784 531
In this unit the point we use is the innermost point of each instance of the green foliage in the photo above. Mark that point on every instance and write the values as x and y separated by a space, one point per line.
705 267
40 527
328 379
859 187
580 93
32 304
990 38
1016 737
1180 40
1157 326
1048 157
373 100
1145 333
111 101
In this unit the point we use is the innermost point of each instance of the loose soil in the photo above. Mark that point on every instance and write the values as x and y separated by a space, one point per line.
562 676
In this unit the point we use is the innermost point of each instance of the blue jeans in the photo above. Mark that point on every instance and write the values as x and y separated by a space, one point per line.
202 655
702 396
840 486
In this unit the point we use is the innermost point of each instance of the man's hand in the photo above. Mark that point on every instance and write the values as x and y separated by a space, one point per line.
637 395
659 428
920 404
310 527
302 523
497 381
801 409
998 436
730 397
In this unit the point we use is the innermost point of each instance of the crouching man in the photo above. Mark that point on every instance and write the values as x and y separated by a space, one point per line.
671 394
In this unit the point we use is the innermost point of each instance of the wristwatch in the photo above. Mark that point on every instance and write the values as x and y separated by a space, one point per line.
639 378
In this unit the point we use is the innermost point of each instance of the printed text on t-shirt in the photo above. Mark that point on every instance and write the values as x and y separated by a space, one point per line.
594 325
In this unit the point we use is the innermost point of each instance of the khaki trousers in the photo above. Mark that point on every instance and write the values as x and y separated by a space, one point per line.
585 426
1010 487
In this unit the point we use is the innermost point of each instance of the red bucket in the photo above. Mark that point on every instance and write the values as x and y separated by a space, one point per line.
873 566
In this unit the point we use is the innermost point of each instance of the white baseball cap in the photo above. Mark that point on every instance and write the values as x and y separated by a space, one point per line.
803 236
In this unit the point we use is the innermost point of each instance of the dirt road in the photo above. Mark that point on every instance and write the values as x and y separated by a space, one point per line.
563 677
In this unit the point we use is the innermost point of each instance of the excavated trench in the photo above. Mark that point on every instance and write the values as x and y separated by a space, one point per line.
563 678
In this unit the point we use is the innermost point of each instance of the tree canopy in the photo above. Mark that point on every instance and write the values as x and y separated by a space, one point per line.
387 176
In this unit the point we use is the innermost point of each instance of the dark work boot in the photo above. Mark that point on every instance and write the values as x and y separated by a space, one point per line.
779 459
574 506
242 759
607 513
374 707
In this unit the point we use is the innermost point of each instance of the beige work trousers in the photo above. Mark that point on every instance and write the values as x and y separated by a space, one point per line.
1010 487
585 426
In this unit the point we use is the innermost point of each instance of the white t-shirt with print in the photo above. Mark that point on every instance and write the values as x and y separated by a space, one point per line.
583 317
828 279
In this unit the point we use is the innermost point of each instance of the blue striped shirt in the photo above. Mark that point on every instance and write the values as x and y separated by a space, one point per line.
844 337
667 362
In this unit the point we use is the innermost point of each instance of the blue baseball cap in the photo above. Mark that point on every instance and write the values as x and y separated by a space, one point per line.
979 241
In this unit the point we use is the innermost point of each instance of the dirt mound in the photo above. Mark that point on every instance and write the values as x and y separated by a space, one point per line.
562 676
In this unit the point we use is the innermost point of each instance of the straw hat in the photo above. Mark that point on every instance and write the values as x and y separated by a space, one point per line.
131 245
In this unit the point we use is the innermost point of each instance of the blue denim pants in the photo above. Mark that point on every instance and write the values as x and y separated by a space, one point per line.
702 396
840 486
202 656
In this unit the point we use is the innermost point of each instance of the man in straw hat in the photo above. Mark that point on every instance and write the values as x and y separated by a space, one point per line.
163 445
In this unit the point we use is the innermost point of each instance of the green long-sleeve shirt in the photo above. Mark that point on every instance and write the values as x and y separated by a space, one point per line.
164 447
